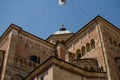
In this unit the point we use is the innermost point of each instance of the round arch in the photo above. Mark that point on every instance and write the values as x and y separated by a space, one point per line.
92 42
87 47
78 54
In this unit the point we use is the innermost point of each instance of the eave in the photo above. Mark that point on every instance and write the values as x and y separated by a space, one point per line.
21 31
95 20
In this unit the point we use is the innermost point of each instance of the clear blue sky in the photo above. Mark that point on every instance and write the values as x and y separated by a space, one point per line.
44 17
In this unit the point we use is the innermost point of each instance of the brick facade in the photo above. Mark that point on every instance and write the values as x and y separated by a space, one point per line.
94 49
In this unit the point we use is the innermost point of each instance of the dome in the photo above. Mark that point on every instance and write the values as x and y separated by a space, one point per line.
62 30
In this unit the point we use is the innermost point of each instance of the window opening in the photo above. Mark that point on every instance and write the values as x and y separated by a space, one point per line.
42 78
83 50
78 54
88 47
35 58
92 43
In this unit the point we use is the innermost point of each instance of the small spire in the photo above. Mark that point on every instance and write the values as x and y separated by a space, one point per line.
62 25
62 28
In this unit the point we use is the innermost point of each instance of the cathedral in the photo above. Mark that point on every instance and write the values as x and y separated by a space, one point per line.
92 53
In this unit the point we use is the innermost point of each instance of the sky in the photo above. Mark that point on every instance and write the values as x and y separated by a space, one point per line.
44 17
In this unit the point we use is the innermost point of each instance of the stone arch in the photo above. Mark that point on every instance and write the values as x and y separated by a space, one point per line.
78 54
87 47
83 50
92 42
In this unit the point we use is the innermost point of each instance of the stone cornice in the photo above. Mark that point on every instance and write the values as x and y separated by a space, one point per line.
96 20
19 30
53 61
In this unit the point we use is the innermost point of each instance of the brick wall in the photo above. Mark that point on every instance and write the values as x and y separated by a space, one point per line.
85 37
111 39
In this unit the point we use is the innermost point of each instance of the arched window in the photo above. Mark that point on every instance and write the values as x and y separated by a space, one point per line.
92 44
78 54
83 50
88 47
110 41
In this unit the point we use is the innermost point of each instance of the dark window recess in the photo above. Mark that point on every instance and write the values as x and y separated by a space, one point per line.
79 56
92 44
38 60
119 69
42 78
35 59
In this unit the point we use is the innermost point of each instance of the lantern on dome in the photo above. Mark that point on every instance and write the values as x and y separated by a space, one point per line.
62 2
